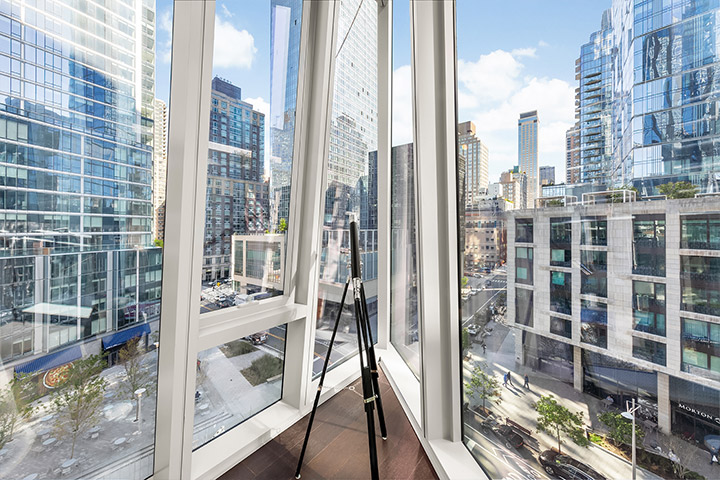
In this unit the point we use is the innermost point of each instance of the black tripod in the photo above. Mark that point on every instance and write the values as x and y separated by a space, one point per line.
366 353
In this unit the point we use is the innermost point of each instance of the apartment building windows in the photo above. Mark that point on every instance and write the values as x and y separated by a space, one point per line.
649 307
524 306
649 350
700 346
524 230
561 326
524 265
649 245
700 284
593 269
700 231
561 292
593 317
593 231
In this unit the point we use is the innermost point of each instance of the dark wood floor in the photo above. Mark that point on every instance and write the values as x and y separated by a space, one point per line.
338 447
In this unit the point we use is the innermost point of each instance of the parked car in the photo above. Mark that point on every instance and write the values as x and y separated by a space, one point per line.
566 467
510 437
473 329
257 338
476 275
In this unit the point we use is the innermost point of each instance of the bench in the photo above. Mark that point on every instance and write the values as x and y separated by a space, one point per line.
517 426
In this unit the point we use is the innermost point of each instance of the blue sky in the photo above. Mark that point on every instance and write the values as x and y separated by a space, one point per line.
513 56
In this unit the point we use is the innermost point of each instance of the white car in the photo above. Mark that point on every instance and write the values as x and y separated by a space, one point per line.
473 329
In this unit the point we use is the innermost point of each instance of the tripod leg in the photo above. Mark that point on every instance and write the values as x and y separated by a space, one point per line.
373 364
368 394
322 380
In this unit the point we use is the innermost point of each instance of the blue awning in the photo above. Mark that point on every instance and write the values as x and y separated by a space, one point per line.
48 362
125 335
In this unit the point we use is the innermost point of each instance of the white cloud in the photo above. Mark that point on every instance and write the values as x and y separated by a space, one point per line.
495 89
543 43
164 45
493 77
260 105
402 118
233 48
225 11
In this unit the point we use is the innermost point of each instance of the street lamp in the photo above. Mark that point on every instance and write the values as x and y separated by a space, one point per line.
139 393
630 415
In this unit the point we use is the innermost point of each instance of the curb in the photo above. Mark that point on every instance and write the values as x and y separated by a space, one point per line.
623 459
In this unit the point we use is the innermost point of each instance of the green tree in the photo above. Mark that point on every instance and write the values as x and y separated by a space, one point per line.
464 282
131 357
77 401
557 420
618 197
282 226
465 339
678 190
620 429
484 385
159 243
14 406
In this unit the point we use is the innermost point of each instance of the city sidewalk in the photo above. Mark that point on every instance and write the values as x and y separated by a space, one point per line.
516 405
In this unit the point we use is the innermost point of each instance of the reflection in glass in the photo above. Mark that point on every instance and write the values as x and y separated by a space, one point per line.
82 141
236 380
351 189
250 161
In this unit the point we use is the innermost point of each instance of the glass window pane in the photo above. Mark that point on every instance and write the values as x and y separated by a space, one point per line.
351 188
83 147
251 133
404 318
237 380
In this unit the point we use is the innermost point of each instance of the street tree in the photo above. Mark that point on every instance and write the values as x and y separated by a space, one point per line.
15 405
484 385
620 429
77 401
678 190
131 357
557 421
282 226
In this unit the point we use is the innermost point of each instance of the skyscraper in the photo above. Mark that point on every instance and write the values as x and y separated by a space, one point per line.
238 199
476 162
528 154
547 175
159 172
285 27
595 105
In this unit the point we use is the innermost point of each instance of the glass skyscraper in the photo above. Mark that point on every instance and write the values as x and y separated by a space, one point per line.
595 97
528 154
76 154
665 92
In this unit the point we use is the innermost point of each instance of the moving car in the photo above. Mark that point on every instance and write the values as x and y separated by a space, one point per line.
473 329
566 467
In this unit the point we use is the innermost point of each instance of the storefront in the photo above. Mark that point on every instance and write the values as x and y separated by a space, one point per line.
549 356
606 377
695 410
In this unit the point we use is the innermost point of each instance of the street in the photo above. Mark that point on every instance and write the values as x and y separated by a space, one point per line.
498 283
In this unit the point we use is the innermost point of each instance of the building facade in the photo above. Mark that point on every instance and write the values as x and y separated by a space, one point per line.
572 155
476 162
238 197
528 155
514 184
596 105
626 296
76 205
485 233
159 172
547 176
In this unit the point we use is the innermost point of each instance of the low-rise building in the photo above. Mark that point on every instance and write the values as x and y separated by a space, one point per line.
622 300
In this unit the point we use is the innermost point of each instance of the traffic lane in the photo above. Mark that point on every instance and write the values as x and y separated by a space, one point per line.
476 302
501 462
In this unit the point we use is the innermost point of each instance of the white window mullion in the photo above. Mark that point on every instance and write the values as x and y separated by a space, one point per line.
182 255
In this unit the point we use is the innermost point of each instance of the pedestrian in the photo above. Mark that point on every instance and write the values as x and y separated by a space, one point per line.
510 379
527 382
505 380
484 347
714 458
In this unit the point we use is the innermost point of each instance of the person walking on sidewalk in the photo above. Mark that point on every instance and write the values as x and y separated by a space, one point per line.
505 380
527 382
509 377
